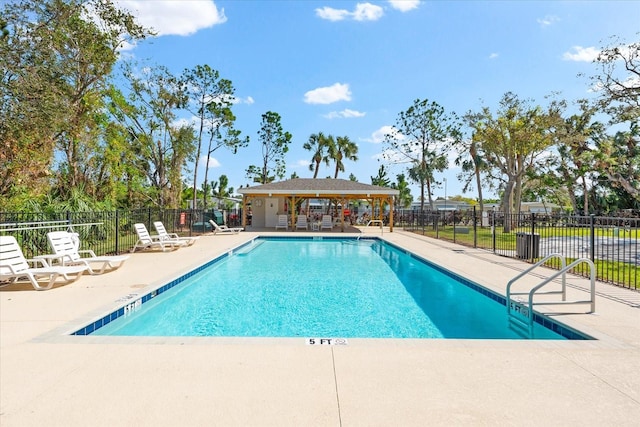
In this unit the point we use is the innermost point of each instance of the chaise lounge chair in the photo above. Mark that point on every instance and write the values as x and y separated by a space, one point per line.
14 266
65 251
301 222
146 241
326 222
223 228
166 236
283 222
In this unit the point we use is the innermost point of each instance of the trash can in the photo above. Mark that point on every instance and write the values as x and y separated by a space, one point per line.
527 245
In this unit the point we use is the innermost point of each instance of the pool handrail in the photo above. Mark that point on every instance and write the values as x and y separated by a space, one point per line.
528 310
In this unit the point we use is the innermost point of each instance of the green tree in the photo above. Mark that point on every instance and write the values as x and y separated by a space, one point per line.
56 64
275 144
4 32
405 198
210 99
513 142
420 138
319 145
474 168
381 179
342 149
127 178
617 79
618 163
150 116
574 139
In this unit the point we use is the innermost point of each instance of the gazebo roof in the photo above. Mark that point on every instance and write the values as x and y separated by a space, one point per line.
319 188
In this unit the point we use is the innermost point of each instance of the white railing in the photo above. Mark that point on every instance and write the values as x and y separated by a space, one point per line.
525 308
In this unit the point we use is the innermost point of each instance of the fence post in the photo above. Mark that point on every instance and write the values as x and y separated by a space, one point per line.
533 232
149 218
493 230
454 226
117 232
592 238
475 229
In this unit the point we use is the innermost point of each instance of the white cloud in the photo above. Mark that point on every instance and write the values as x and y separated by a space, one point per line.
175 17
362 12
367 12
379 135
301 164
344 114
328 95
581 54
494 55
213 162
547 20
248 100
332 14
404 5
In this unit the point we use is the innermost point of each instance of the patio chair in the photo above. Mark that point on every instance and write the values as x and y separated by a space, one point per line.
327 223
301 222
65 251
14 266
146 241
223 228
283 222
166 236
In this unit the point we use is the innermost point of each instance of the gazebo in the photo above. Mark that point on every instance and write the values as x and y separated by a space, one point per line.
268 200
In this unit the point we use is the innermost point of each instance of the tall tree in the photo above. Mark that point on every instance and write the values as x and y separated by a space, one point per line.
210 99
471 160
513 142
404 198
275 144
381 179
421 138
574 138
319 145
57 57
617 80
165 144
618 162
342 149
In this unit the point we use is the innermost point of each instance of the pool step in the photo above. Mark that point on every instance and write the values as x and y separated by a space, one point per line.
243 251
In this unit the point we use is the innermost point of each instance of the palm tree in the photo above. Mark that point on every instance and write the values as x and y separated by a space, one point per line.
404 198
381 179
319 145
343 149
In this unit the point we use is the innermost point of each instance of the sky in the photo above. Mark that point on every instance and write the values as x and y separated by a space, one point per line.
348 68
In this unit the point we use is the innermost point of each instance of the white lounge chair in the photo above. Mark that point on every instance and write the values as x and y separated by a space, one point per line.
146 241
301 222
283 222
166 236
223 228
326 222
14 266
65 251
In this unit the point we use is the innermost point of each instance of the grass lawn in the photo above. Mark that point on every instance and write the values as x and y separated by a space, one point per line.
621 273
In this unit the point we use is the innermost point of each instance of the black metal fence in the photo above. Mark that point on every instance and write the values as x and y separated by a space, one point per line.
107 232
612 243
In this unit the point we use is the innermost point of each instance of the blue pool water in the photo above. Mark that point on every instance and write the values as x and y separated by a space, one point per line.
319 288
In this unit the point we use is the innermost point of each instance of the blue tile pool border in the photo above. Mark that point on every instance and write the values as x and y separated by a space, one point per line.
135 301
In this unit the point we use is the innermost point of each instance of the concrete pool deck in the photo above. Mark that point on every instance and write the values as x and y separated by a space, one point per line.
50 379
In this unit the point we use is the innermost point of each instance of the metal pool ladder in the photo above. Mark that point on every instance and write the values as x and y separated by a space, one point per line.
520 313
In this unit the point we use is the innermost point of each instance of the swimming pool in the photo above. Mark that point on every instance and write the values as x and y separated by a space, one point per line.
320 287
